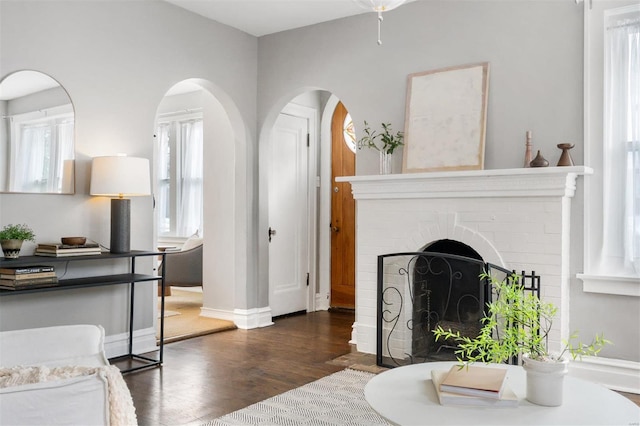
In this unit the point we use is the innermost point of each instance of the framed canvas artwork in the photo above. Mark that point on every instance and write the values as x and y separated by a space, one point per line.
446 119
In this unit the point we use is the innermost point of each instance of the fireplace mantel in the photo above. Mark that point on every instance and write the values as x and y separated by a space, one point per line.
529 182
518 219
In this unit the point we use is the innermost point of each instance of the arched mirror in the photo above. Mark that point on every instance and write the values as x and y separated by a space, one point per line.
36 135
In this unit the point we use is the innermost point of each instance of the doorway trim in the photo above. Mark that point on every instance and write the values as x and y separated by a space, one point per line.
324 231
236 287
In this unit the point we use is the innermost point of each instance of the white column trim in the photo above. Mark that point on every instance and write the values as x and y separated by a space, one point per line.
252 318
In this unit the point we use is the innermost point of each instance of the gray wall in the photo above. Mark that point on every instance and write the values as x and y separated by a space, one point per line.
117 59
535 51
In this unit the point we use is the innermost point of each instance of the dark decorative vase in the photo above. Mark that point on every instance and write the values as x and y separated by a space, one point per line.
539 161
565 157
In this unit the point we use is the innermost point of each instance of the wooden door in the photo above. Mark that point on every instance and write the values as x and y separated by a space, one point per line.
343 163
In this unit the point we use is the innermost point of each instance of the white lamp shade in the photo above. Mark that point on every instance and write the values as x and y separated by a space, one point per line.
379 5
120 176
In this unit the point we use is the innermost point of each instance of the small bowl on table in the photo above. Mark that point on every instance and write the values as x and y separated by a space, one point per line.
73 241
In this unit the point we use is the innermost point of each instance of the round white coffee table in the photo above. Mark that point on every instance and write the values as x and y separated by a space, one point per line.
405 396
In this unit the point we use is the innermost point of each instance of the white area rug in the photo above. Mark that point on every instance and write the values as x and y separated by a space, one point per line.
337 399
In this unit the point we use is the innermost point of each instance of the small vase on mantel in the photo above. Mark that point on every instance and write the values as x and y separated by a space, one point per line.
565 157
385 163
539 161
527 150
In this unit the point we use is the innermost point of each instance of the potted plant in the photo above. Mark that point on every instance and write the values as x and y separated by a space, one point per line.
388 142
518 324
11 238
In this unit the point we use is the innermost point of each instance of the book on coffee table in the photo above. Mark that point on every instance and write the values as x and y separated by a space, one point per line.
475 381
508 398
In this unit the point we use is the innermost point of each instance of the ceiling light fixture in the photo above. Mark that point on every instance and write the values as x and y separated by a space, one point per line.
379 6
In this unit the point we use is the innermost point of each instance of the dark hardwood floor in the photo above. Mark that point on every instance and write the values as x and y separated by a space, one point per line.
206 377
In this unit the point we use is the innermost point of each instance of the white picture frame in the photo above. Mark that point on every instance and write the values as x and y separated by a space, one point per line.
445 119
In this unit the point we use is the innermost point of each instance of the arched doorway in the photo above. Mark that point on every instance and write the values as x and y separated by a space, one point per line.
209 166
319 197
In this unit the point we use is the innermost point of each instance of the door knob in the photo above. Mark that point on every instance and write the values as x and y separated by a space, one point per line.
271 232
335 229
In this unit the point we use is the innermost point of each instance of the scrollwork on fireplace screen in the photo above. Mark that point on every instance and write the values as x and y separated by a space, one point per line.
419 291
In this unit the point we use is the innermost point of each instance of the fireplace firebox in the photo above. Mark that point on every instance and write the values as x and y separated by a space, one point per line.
419 291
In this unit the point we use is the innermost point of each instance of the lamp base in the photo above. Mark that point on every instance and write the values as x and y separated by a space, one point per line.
120 225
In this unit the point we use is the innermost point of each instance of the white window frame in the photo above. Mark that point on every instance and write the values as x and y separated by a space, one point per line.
174 121
603 273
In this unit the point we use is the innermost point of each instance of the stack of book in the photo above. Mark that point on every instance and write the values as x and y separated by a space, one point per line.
17 278
473 385
60 250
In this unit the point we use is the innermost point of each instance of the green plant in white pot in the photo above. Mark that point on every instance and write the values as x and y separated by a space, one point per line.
385 142
518 324
12 237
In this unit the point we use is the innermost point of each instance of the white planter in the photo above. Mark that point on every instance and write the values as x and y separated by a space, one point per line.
544 381
385 163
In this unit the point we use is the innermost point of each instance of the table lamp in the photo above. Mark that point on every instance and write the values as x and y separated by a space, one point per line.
120 176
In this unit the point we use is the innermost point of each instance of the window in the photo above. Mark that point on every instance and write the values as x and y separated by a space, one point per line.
179 189
41 143
349 133
612 200
621 135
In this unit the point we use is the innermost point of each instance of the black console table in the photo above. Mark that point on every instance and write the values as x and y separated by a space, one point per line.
130 278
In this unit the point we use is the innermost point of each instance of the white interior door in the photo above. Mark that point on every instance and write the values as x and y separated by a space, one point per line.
288 215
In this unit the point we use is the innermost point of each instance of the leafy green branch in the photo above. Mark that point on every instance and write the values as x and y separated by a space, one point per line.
390 142
517 322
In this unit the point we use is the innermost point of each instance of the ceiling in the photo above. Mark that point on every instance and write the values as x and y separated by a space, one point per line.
256 17
262 17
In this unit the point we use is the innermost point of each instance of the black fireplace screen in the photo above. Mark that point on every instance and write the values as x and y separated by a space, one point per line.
419 291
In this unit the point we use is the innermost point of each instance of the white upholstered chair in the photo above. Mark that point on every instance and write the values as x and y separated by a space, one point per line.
60 375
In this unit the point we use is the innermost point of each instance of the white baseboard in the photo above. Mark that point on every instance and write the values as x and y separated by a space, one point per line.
252 318
189 289
143 341
365 336
354 334
217 314
616 374
322 304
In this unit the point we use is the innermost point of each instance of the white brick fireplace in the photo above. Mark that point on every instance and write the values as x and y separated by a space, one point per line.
517 218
